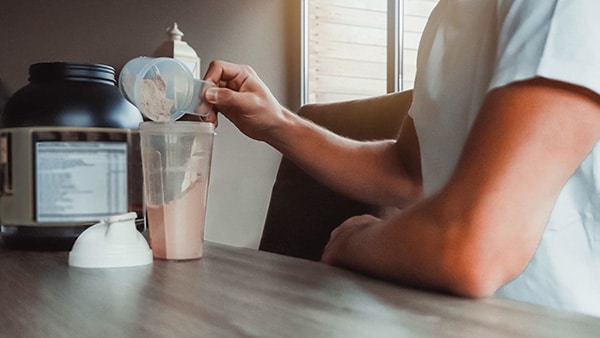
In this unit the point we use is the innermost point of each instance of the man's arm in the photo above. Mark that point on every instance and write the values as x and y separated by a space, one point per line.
378 172
385 172
482 228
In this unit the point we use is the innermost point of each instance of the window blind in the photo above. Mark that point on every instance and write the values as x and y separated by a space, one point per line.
346 42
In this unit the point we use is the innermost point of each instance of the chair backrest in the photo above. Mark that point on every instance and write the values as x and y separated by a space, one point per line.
302 212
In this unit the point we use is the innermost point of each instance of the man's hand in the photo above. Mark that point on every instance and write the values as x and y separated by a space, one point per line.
340 247
243 98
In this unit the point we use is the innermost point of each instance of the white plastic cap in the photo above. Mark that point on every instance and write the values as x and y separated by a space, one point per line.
112 243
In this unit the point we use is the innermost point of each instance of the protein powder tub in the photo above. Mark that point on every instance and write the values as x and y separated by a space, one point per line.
70 155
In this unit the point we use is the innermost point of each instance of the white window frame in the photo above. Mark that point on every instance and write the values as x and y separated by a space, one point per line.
395 62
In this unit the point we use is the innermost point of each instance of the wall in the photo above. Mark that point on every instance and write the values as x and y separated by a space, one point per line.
261 33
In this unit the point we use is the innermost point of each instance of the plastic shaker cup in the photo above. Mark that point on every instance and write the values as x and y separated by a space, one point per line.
176 159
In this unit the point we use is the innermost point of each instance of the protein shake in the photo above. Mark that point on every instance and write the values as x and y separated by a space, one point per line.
177 228
176 160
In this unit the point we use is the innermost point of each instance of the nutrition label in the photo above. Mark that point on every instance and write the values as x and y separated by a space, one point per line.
80 181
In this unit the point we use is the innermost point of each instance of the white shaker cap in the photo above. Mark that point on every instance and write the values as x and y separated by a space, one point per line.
114 242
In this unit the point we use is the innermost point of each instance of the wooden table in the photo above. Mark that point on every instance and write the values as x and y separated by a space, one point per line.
236 292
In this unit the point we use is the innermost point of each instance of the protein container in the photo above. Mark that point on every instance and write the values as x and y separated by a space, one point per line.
69 155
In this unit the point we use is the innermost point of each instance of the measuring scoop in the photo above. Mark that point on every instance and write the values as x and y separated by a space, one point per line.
163 89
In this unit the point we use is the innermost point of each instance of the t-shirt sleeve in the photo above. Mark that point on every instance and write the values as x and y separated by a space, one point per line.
558 39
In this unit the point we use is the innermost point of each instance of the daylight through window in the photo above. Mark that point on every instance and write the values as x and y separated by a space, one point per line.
346 49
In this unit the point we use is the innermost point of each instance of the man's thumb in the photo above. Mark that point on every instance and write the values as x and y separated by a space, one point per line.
218 95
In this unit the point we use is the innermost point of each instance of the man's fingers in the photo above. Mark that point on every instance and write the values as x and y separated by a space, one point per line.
227 74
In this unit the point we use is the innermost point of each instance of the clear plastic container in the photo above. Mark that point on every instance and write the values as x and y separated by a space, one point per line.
163 89
176 158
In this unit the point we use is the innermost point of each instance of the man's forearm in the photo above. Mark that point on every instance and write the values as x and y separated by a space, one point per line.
367 171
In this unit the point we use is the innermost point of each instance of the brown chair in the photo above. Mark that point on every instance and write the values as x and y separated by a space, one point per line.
302 212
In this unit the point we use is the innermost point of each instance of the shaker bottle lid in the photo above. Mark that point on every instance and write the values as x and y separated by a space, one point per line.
114 242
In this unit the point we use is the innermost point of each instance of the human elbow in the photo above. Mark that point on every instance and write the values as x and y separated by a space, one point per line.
477 258
477 275
474 282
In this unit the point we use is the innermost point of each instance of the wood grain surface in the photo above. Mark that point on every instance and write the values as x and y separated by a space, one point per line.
237 292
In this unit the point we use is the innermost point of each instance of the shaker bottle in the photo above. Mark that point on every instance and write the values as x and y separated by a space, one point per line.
176 159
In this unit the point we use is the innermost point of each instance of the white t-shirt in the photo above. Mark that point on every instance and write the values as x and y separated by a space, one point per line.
470 47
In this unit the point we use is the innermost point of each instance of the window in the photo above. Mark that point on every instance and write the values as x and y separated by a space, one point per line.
360 48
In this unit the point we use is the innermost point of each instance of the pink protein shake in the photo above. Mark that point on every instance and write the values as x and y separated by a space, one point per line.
177 228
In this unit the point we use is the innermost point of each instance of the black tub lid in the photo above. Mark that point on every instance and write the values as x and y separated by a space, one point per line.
45 71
